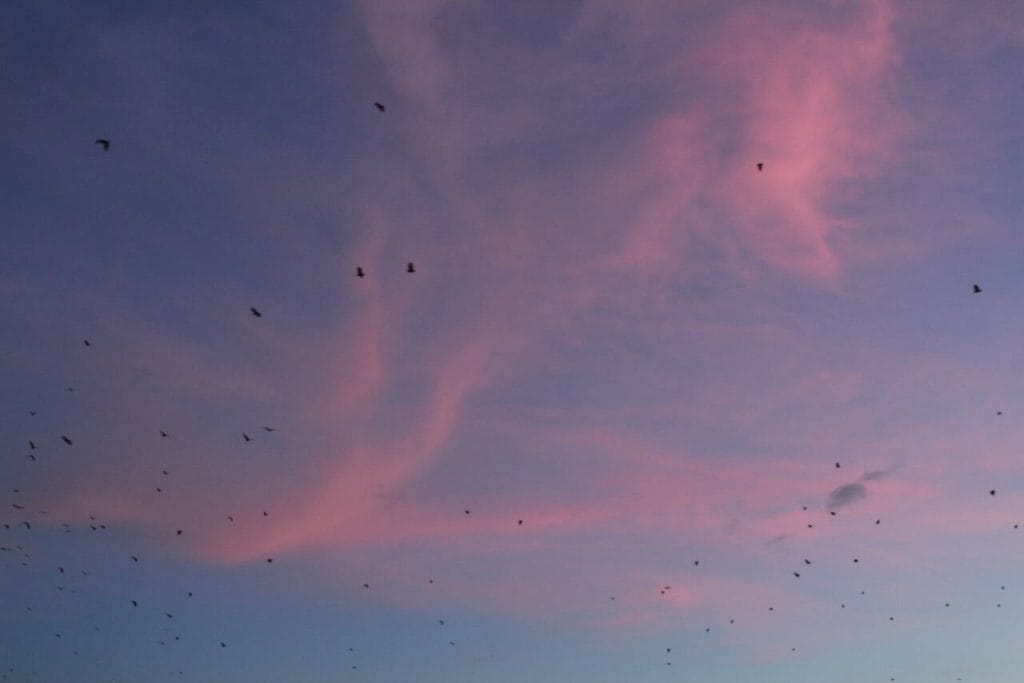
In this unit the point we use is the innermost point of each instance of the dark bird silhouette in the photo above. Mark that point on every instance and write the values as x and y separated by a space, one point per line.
135 603
806 561
520 522
977 289
134 558
760 166
380 107
32 445
86 342
410 268
992 492
269 560
66 439
163 434
179 532
359 272
256 312
105 144
837 466
246 437
269 429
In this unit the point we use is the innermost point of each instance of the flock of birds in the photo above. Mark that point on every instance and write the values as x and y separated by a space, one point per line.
22 548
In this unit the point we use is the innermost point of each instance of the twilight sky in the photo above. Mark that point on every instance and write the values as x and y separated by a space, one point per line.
642 413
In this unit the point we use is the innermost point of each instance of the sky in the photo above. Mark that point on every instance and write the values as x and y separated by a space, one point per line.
645 411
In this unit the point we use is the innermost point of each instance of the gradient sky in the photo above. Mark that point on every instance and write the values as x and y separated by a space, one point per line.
620 332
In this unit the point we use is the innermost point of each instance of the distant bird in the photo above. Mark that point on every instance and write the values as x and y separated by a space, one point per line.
977 289
806 561
999 412
179 532
163 434
992 492
230 518
410 268
134 558
66 439
467 512
520 522
269 560
269 429
32 445
135 603
837 466
380 107
86 342
103 143
246 437
760 166
366 585
796 574
696 562
359 272
256 312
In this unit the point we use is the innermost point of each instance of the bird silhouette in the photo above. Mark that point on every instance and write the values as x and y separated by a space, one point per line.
246 437
163 434
760 166
977 289
359 272
255 312
380 107
66 440
410 268
86 342
103 143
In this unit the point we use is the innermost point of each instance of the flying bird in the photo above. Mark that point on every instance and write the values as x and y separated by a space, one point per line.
359 272
32 445
86 342
163 434
269 429
380 107
255 312
760 166
246 437
66 440
103 143
410 268
977 289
